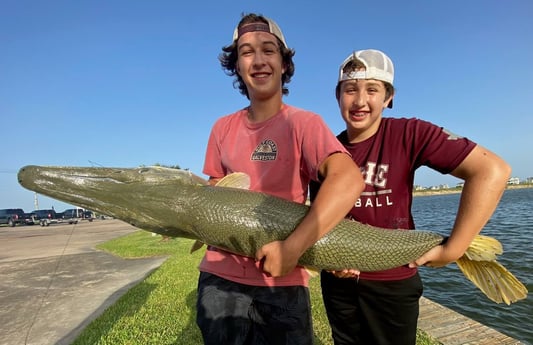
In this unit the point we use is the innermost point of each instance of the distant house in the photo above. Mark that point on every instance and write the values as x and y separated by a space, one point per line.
529 180
513 180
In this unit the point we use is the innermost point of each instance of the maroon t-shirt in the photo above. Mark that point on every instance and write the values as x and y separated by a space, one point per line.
388 161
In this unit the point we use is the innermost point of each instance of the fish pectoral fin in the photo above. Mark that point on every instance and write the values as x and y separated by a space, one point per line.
313 272
196 245
235 180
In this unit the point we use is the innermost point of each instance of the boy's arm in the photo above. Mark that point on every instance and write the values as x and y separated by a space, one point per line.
485 175
340 189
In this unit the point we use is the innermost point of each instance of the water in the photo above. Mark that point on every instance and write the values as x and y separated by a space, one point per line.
511 224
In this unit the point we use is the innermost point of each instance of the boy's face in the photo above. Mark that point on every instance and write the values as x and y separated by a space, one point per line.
260 64
361 104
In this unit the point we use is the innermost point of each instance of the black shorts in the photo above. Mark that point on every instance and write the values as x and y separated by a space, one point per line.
370 311
230 313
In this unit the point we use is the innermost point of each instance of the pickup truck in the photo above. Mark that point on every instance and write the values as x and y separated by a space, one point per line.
14 216
46 217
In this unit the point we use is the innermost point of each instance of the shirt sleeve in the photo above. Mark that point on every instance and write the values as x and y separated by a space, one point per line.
318 144
437 147
213 164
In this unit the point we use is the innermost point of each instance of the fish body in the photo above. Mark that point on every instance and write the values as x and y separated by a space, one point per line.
177 203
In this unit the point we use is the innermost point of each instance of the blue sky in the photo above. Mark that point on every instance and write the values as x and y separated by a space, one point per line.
128 83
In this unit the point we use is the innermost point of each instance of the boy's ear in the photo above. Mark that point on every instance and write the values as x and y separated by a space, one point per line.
387 102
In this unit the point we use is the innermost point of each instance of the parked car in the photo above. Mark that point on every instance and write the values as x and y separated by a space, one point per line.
88 215
73 215
45 217
14 216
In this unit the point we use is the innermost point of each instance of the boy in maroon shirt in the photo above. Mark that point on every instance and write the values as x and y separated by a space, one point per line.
382 307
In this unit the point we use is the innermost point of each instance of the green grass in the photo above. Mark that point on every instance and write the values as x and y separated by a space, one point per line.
161 309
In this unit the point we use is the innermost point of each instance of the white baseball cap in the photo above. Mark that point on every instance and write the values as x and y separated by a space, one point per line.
271 27
377 66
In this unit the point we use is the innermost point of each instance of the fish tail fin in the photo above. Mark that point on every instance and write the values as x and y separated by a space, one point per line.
479 265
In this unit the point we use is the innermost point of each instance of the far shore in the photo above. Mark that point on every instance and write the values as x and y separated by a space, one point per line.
458 190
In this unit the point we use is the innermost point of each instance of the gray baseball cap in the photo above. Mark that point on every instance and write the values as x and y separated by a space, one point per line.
270 27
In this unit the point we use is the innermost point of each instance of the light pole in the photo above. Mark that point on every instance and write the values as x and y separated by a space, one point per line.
35 201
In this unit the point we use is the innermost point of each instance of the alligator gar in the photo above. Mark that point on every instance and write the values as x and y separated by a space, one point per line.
177 203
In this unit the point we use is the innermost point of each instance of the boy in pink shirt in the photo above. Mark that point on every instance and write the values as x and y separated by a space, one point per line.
265 300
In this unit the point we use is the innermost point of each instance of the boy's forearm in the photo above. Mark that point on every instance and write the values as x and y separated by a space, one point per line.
336 197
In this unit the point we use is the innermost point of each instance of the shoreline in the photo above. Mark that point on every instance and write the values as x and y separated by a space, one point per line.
459 190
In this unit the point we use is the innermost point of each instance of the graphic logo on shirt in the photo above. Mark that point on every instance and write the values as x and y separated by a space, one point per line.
265 151
375 175
451 136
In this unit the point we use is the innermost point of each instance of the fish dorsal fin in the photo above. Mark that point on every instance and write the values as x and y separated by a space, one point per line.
235 180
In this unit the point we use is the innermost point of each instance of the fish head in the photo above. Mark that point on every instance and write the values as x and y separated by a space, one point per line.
136 195
67 179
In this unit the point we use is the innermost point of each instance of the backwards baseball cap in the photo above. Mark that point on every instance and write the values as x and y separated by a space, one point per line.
377 66
270 27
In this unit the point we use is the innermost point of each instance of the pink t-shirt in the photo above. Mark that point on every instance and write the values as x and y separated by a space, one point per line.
281 156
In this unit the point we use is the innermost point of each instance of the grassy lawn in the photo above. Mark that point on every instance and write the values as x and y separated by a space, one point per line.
161 309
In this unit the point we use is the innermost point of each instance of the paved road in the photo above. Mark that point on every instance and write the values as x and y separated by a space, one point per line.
53 282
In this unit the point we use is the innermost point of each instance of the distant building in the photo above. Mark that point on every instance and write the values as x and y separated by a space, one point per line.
513 180
529 180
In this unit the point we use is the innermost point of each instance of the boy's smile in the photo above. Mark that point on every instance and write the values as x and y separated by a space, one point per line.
260 63
361 104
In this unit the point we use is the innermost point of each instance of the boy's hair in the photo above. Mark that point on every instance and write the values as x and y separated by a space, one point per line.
357 65
228 59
